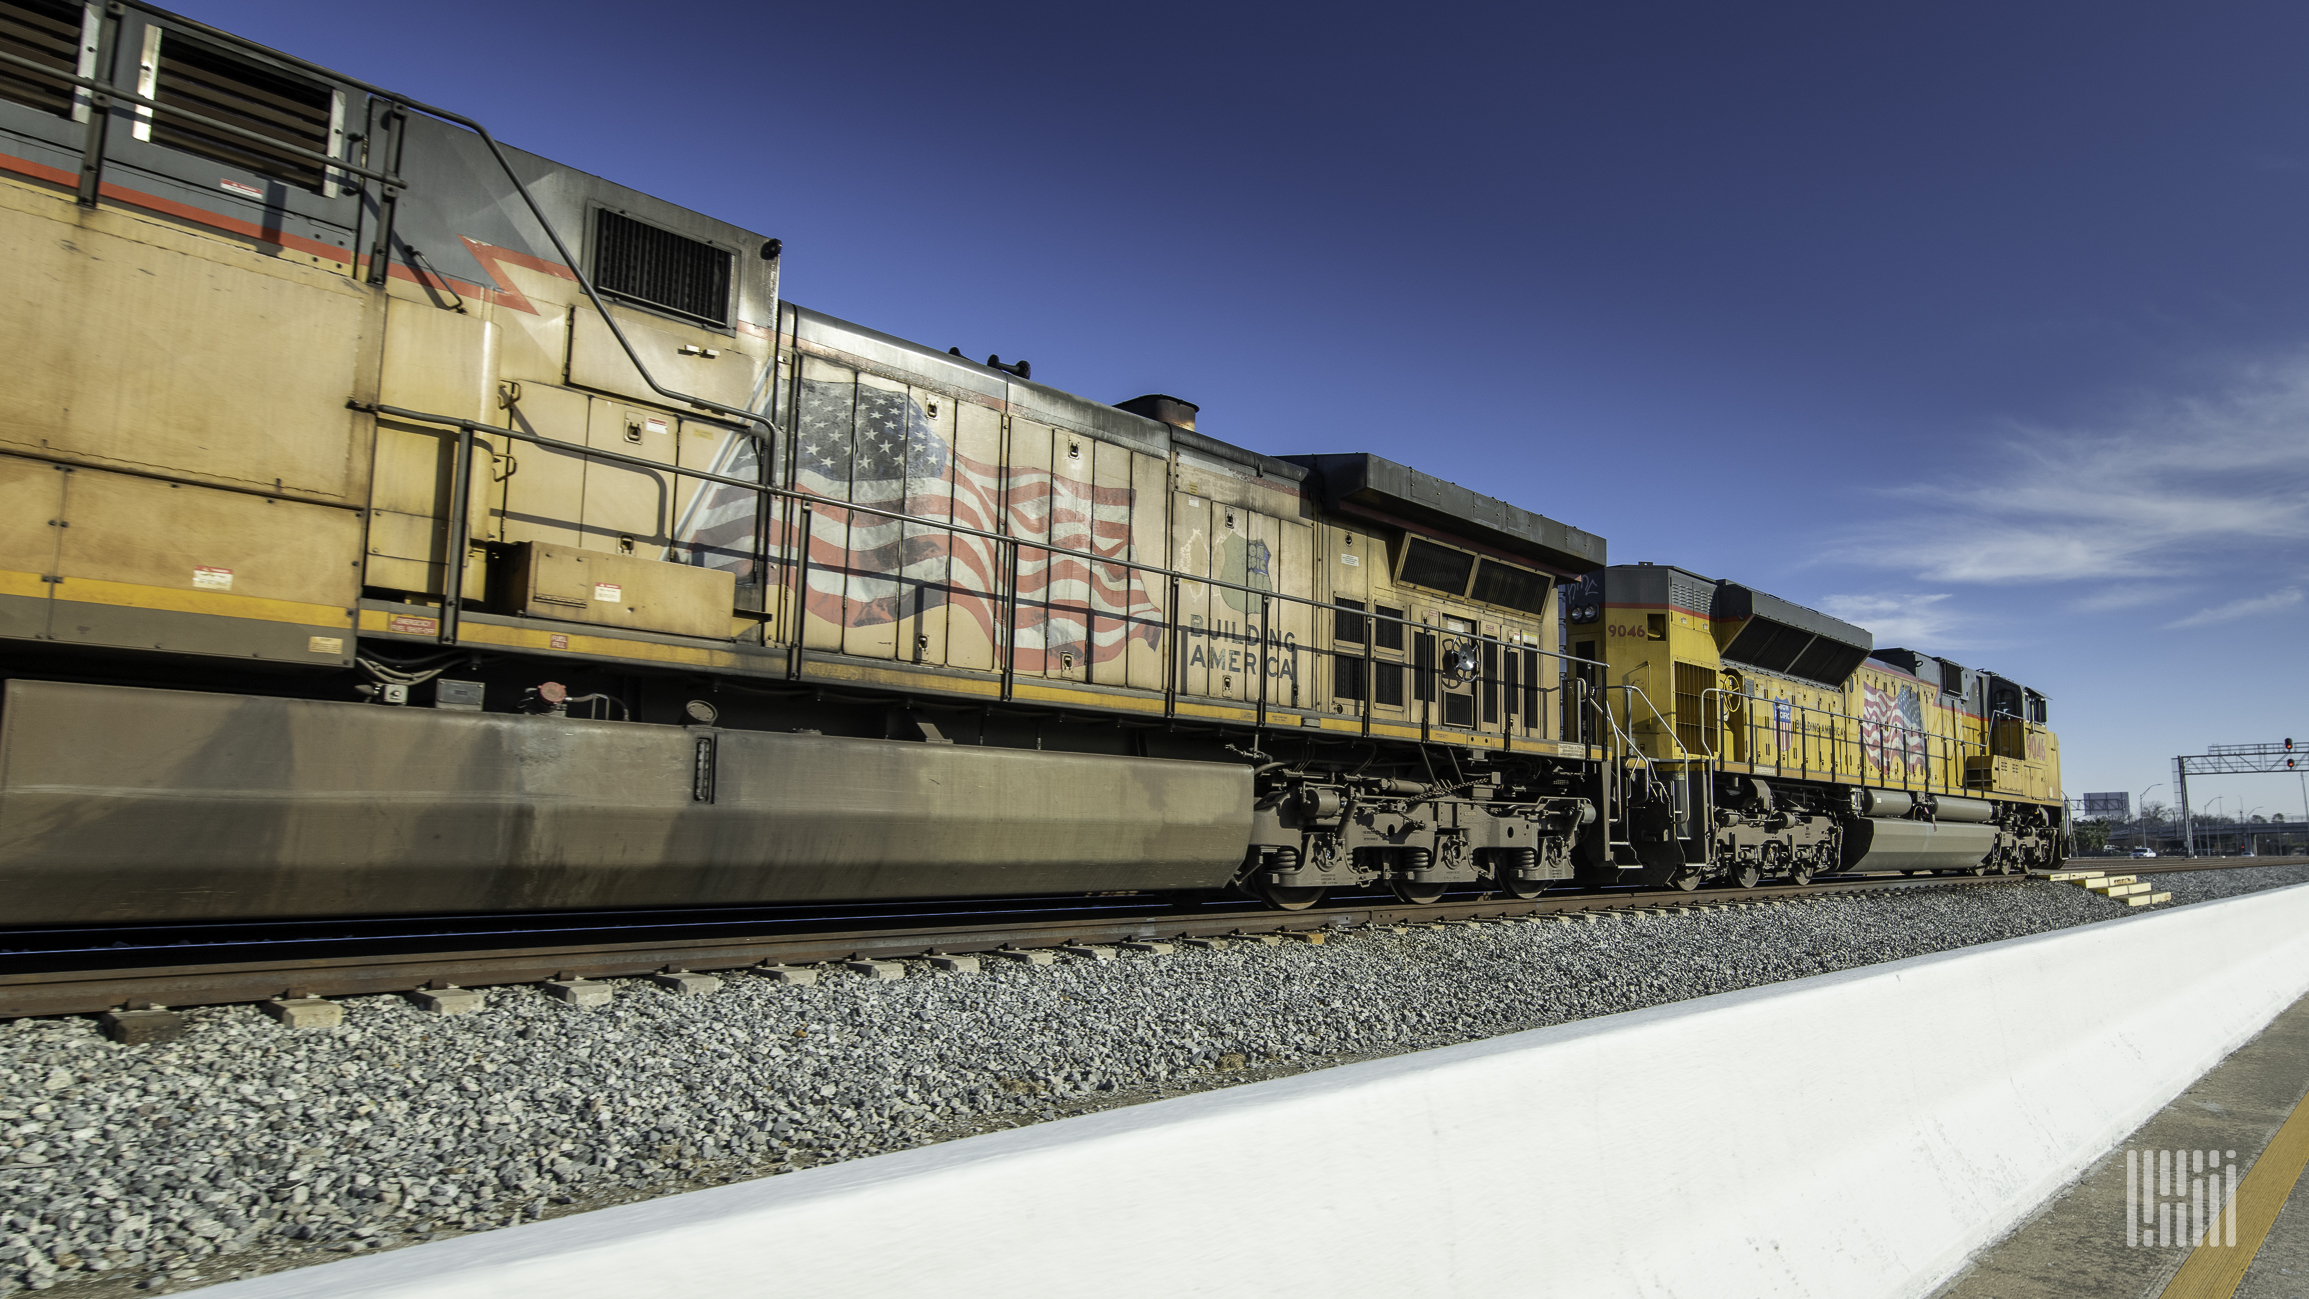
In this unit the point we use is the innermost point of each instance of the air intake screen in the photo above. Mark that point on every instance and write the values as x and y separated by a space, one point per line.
1436 567
661 269
1387 684
1387 628
1517 588
215 84
45 32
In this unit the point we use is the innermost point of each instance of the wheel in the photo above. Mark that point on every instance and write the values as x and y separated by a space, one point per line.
1747 874
1686 879
1284 897
1506 865
1409 891
1799 873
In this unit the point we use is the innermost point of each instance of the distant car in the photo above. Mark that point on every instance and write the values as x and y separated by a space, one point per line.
2144 852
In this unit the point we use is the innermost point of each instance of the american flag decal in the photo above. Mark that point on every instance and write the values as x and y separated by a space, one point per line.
863 445
717 529
1892 724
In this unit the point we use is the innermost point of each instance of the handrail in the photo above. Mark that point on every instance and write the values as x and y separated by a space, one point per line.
1685 754
461 504
1954 746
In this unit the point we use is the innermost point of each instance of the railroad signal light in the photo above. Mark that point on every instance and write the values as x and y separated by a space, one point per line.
2288 744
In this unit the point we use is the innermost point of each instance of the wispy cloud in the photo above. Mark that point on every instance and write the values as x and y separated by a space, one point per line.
2120 597
2154 493
2245 608
1899 619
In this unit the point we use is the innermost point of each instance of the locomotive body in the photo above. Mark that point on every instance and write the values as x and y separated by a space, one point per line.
1783 742
392 521
400 522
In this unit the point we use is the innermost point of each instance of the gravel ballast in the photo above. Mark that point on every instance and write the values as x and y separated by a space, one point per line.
244 1147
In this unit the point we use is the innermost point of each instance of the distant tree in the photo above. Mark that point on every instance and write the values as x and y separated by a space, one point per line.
2092 837
2155 813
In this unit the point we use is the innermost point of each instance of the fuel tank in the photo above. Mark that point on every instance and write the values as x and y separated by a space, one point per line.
1873 845
124 805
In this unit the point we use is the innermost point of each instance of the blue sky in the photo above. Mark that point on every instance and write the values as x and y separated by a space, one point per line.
1984 325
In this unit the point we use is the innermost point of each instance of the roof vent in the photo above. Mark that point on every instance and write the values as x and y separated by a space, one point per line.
47 32
220 84
1169 410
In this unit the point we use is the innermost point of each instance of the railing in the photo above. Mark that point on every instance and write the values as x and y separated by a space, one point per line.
1008 550
1898 743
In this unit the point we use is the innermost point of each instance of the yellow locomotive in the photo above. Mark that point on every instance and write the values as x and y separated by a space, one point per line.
392 521
1776 740
396 521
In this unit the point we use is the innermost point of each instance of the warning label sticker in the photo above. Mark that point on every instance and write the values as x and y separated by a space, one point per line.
409 624
213 579
236 187
609 591
557 641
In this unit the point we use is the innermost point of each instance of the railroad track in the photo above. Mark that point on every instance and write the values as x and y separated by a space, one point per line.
92 978
2174 865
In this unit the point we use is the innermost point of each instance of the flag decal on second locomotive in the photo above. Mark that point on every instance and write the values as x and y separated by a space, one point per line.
1892 727
876 447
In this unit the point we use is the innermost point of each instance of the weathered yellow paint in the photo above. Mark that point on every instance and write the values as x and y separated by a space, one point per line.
217 603
32 584
1822 738
139 344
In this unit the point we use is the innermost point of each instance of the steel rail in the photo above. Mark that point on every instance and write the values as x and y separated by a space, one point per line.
73 990
2178 865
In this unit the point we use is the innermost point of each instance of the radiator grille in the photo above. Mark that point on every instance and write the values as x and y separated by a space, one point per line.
1438 567
661 269
47 32
1517 588
208 81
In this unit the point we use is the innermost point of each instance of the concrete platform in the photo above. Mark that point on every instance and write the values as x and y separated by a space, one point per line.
1860 1133
2076 1246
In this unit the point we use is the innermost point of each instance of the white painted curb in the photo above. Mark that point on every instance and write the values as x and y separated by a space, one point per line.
1845 1135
